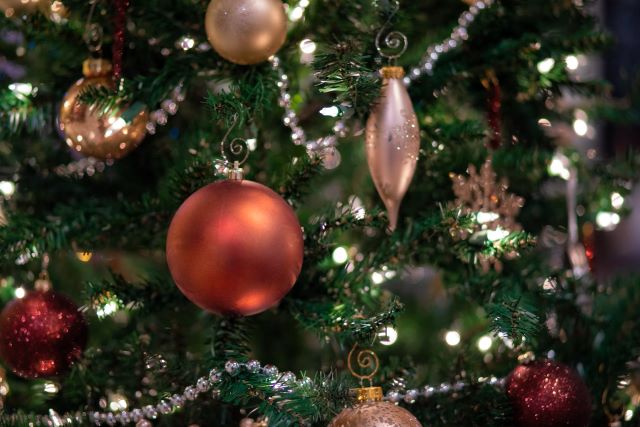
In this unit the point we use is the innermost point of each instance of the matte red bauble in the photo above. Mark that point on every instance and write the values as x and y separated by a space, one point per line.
550 394
41 335
235 247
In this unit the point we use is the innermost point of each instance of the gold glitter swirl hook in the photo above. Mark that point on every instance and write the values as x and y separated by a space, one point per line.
395 43
234 152
366 359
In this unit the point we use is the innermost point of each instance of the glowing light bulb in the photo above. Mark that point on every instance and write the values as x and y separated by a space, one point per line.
20 292
558 167
484 343
50 388
617 200
572 62
452 338
546 65
332 111
388 336
607 220
307 46
7 188
340 255
84 256
580 127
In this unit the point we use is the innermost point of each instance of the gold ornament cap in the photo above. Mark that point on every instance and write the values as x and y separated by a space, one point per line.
96 67
368 394
392 72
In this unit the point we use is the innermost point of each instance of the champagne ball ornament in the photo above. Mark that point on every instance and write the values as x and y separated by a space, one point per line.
235 247
93 133
550 394
392 133
371 410
246 32
41 334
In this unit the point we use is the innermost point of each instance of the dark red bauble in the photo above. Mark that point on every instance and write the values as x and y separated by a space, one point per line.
235 247
41 335
549 394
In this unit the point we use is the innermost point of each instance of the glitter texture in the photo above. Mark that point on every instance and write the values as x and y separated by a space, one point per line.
550 394
42 334
375 414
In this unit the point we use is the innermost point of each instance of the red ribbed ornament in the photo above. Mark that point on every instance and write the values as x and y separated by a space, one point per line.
550 394
235 247
41 335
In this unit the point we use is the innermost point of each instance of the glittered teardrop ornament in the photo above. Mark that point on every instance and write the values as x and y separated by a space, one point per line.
392 142
371 411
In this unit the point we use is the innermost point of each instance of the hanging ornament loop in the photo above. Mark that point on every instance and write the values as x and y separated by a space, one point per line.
234 152
366 360
93 33
394 44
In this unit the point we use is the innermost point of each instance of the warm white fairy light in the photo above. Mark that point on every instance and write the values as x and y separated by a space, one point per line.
572 62
546 65
340 255
22 90
50 388
7 188
308 46
607 220
107 309
452 338
332 111
580 127
388 336
484 343
297 12
497 234
628 415
20 292
617 200
485 217
377 277
558 167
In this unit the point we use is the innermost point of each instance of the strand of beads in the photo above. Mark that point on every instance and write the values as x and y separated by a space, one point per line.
457 37
411 396
280 382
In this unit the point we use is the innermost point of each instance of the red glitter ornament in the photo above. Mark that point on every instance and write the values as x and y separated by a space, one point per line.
41 334
235 247
550 394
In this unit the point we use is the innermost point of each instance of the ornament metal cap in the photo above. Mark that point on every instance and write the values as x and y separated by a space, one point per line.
96 67
392 72
368 394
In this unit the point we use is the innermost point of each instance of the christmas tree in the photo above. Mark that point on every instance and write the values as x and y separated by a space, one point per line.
257 212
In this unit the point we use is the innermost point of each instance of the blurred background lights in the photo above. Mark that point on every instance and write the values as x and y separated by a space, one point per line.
377 277
580 127
497 234
452 338
107 309
297 12
340 255
484 343
628 415
332 111
388 336
607 220
20 292
558 167
23 89
84 256
546 65
617 200
572 62
7 188
50 388
307 46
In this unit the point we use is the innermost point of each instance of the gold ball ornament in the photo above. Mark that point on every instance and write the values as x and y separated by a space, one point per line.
93 133
52 9
372 411
246 31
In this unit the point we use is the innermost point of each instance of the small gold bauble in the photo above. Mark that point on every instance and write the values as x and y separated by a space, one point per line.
93 133
375 414
13 7
246 31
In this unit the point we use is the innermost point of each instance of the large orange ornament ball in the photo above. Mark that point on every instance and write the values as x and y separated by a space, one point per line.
91 132
235 247
246 31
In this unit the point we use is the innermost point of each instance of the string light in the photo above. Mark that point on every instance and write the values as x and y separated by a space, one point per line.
452 338
559 166
484 343
307 46
340 255
607 220
546 65
388 336
377 277
7 188
84 256
572 62
20 292
617 200
497 234
50 388
580 127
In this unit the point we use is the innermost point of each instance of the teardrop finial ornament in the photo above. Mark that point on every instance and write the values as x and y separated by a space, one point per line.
394 43
234 152
367 362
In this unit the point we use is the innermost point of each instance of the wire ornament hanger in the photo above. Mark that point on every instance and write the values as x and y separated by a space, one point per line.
394 44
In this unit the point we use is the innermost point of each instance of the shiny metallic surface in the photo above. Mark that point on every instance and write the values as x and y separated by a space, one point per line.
392 142
235 248
375 414
91 133
246 31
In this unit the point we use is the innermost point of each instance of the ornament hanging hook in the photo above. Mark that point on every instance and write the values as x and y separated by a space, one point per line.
394 44
93 33
234 152
366 360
